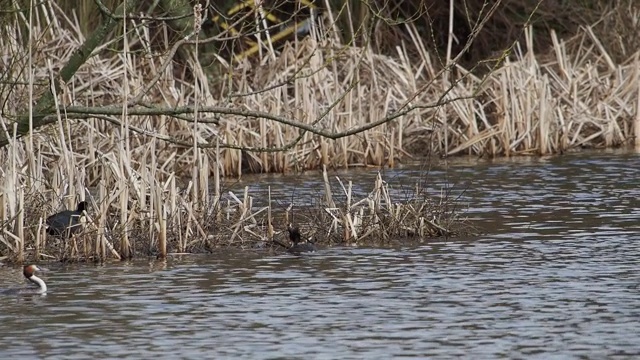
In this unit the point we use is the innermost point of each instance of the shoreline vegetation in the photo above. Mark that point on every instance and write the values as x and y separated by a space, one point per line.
154 120
169 224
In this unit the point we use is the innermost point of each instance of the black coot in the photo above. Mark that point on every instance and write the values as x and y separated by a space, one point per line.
66 223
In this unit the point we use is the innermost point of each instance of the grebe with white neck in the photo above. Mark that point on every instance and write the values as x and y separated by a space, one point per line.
29 273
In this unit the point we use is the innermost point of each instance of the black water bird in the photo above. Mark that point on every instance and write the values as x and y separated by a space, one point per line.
66 223
298 246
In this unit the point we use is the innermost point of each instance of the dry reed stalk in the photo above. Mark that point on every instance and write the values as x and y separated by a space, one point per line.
543 126
30 148
346 214
269 217
39 244
327 188
287 219
162 225
3 205
124 223
636 124
101 248
177 220
20 225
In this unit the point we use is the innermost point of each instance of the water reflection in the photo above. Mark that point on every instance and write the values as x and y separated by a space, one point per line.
555 276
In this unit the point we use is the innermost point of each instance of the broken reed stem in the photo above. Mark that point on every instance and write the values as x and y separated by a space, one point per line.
269 218
20 225
162 225
124 234
216 183
349 228
543 123
327 188
101 248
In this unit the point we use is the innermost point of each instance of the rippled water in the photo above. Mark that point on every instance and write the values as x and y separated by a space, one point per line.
554 276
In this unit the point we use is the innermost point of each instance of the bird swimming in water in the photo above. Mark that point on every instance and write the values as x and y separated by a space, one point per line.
29 274
298 246
66 223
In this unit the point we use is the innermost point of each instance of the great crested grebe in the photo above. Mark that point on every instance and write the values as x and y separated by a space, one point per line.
298 246
66 223
28 272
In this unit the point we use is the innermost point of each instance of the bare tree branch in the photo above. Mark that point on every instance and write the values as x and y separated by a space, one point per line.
46 103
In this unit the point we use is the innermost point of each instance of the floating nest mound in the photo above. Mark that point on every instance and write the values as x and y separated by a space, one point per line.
338 218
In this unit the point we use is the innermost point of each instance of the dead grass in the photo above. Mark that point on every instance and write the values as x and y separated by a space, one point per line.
157 195
113 230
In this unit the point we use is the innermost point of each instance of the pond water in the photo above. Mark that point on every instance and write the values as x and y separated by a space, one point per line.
554 275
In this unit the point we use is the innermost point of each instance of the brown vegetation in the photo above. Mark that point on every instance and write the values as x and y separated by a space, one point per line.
135 222
154 131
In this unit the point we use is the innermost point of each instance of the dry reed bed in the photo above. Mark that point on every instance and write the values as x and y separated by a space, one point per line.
172 224
575 98
523 107
154 193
